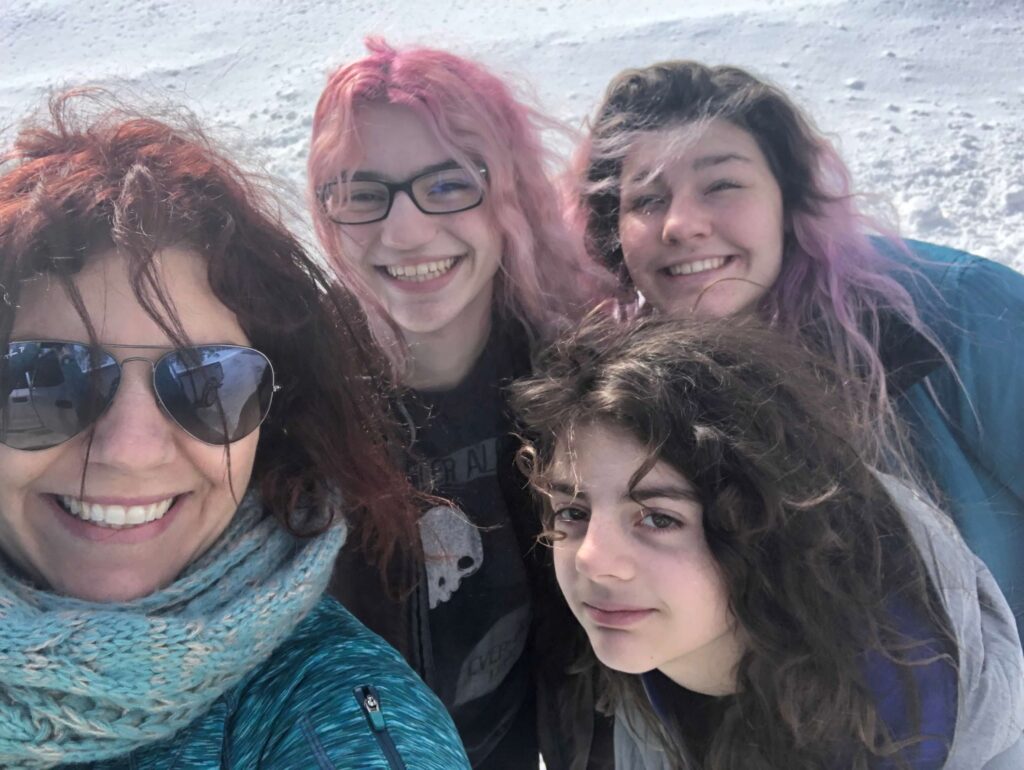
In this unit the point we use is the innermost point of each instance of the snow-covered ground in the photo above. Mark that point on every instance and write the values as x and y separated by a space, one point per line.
925 97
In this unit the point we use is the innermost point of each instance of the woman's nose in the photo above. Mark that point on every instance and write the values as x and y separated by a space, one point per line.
134 433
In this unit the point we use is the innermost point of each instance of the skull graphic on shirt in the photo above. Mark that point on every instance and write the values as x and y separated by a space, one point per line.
452 549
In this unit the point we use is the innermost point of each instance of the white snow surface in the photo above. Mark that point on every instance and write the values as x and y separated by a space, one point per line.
924 97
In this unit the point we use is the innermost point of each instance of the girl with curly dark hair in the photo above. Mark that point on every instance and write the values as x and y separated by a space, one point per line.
756 594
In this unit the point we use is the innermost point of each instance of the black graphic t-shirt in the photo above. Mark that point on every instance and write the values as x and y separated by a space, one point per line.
476 599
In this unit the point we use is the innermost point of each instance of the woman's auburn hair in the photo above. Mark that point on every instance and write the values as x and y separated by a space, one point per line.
837 281
813 552
545 279
91 174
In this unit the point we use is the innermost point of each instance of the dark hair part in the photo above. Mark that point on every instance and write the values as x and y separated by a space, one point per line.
813 551
92 175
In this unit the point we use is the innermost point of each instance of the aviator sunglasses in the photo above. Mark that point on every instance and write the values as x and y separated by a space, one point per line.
53 390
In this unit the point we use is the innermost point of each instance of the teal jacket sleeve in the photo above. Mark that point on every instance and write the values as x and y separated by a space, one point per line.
967 421
978 314
340 697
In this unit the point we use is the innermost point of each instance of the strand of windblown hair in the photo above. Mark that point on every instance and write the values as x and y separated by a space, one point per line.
84 682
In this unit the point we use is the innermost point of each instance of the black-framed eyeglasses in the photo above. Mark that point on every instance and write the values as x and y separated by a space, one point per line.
52 390
444 189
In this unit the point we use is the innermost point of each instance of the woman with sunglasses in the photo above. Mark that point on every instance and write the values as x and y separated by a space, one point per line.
171 501
712 194
432 201
757 595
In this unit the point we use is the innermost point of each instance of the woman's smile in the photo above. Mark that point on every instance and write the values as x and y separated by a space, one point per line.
72 512
116 511
115 515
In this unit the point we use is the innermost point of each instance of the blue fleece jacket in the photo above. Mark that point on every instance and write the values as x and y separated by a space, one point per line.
334 696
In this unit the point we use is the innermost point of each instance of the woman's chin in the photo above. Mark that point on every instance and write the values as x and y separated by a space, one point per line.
111 587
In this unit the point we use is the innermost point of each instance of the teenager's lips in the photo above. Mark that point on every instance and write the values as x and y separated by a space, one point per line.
417 261
426 286
616 616
668 270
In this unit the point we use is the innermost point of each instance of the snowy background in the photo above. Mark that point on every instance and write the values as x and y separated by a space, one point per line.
924 97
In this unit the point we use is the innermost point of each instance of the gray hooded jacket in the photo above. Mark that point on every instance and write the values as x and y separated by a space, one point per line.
990 714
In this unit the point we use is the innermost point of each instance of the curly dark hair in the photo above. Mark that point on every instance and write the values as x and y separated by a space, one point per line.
814 553
91 174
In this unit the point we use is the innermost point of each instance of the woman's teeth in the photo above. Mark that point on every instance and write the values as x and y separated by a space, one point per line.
116 515
421 272
689 268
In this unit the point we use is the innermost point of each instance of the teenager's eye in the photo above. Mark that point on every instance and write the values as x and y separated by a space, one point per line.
645 204
368 196
361 196
722 184
659 520
452 186
448 187
570 514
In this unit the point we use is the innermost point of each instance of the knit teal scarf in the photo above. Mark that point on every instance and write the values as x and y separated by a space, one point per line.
84 682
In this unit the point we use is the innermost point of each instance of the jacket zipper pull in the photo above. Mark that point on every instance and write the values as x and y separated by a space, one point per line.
369 703
373 711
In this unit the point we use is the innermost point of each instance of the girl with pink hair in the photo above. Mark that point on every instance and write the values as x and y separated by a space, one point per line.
712 194
432 199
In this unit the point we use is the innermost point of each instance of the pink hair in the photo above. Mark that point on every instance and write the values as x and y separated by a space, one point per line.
836 279
545 279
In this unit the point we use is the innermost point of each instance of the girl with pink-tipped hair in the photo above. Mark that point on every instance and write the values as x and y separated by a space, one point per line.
712 194
432 197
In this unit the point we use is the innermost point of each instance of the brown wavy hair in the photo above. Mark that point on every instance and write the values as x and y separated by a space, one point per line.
90 174
843 272
812 550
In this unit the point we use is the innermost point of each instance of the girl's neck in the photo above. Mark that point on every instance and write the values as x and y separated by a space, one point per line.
710 670
441 360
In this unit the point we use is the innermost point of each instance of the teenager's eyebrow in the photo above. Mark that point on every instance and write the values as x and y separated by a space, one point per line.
664 491
706 161
644 176
661 491
564 488
369 175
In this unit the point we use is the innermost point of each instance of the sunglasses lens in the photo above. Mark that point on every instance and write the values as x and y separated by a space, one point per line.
217 393
51 391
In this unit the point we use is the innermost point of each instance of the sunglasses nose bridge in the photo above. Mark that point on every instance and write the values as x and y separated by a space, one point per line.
151 379
134 430
148 361
129 359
